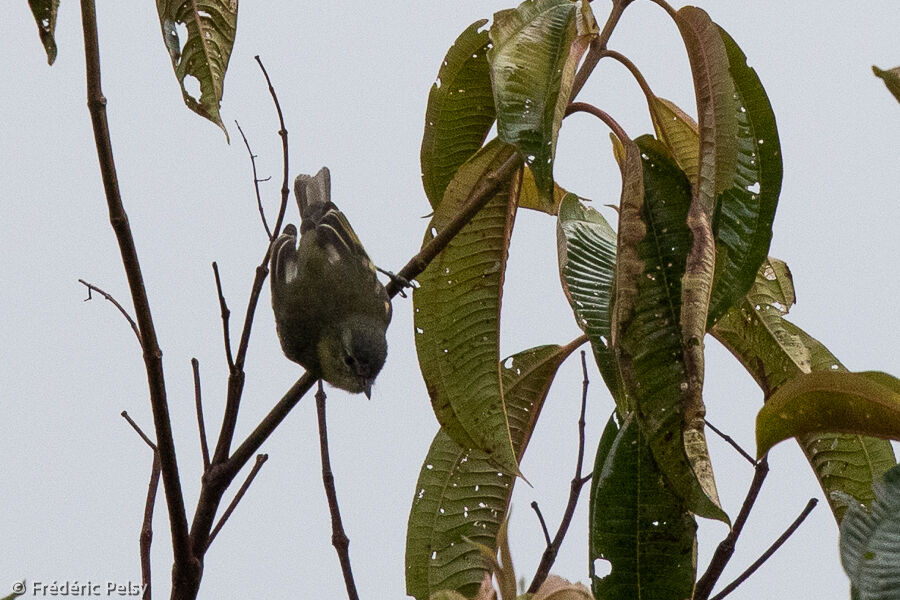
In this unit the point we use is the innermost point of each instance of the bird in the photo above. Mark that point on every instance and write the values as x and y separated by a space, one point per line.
331 311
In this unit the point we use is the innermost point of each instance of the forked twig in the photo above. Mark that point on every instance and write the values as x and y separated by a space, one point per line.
260 461
256 182
91 287
146 537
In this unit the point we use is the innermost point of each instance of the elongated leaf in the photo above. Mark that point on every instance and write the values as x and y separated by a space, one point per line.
639 525
203 57
457 313
831 402
530 198
774 350
460 111
651 352
870 542
44 12
891 78
460 494
745 210
678 131
536 48
586 250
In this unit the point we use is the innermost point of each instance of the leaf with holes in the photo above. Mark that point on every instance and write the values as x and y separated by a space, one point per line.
460 111
774 350
204 55
536 48
44 12
652 355
460 494
457 312
586 250
637 523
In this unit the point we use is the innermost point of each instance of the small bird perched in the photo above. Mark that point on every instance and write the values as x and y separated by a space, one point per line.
331 312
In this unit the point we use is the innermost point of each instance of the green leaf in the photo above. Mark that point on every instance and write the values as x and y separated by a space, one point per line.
211 27
530 198
457 312
742 225
44 12
891 78
460 111
637 523
586 250
774 350
678 131
652 353
830 401
718 127
460 494
870 542
536 48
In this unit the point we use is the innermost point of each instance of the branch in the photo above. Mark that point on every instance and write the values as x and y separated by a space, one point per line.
256 182
260 461
198 403
226 314
338 538
549 556
146 537
282 131
732 443
725 550
92 287
770 551
540 516
185 566
598 45
600 114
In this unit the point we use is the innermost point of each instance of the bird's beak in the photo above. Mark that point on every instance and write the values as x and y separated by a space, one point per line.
367 390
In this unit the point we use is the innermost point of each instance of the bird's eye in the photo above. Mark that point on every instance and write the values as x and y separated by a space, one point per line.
349 360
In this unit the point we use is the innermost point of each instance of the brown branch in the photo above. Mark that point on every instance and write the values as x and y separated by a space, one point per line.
725 549
282 131
770 551
338 538
256 182
226 315
598 45
92 287
729 440
540 516
146 537
600 114
198 403
666 7
185 567
549 556
260 461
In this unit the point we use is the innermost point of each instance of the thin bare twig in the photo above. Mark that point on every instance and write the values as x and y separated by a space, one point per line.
91 287
725 549
732 443
260 460
770 551
549 556
600 114
139 431
540 516
198 403
282 131
185 568
226 314
338 537
146 538
256 182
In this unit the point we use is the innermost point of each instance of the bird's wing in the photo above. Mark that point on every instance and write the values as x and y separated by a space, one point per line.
284 257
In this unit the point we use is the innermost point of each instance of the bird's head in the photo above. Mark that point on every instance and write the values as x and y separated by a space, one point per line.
352 354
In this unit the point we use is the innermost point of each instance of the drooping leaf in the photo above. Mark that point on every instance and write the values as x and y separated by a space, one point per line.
536 48
460 493
826 401
44 12
457 312
530 198
678 131
891 78
202 58
586 250
650 342
638 524
774 350
870 542
460 111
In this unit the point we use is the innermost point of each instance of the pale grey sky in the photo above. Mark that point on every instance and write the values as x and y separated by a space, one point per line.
353 81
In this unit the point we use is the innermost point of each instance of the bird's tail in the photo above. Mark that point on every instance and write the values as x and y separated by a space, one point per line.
313 194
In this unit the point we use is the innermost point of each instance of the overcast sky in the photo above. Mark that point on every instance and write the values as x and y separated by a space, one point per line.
353 80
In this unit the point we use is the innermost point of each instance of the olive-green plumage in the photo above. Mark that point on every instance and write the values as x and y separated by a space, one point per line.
331 312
